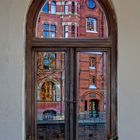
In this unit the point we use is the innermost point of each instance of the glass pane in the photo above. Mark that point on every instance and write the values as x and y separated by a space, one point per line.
87 16
92 96
50 87
45 8
53 7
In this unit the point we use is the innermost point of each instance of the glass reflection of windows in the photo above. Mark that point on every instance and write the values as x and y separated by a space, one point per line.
66 31
50 92
73 7
45 8
73 31
53 7
91 4
49 31
49 61
92 62
91 25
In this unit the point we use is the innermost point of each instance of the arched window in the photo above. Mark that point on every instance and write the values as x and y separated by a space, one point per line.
49 30
53 7
45 8
66 7
66 31
71 72
46 30
73 7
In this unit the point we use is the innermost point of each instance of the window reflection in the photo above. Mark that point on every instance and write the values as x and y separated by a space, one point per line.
66 31
73 7
50 89
53 7
49 30
82 21
45 8
92 95
50 79
91 25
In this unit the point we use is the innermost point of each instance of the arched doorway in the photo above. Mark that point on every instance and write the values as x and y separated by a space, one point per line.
79 49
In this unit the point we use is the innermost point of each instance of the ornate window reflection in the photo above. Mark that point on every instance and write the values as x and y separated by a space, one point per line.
91 25
88 23
50 91
53 7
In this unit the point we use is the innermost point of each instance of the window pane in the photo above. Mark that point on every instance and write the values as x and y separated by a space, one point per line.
46 34
90 22
66 8
53 28
50 89
92 96
52 35
45 26
73 7
91 25
53 7
45 8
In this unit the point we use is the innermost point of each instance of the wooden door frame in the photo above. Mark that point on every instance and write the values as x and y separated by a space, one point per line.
32 42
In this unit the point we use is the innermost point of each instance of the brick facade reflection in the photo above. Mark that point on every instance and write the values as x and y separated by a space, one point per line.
76 18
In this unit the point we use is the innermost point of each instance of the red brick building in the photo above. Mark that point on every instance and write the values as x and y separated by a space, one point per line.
72 19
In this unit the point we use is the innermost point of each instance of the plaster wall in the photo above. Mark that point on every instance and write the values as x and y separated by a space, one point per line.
12 65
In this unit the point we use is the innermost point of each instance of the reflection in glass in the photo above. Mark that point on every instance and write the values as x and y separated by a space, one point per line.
81 17
50 105
91 4
53 7
92 96
66 8
45 8
73 7
91 25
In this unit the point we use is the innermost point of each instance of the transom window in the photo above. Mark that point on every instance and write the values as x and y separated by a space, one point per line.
73 7
74 13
